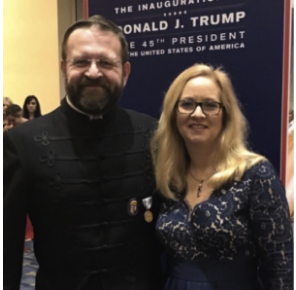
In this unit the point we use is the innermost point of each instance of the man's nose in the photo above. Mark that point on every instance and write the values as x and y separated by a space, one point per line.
94 70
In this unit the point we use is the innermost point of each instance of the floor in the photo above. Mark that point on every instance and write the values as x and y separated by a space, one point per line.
30 266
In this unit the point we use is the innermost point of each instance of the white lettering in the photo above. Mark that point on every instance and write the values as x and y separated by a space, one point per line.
227 46
224 36
168 4
216 19
146 27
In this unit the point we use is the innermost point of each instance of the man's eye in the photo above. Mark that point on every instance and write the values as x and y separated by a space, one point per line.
81 62
105 63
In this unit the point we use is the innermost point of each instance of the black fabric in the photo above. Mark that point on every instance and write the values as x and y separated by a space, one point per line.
75 177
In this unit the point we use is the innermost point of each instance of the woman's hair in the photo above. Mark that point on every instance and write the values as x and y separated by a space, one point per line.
13 110
8 100
26 113
170 157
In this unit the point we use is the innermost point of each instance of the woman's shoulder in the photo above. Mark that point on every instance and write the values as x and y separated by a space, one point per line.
261 170
264 182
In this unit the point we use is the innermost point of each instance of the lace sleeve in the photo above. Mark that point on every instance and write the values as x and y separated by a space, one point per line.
271 226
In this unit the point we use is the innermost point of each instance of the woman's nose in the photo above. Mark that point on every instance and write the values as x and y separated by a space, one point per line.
198 112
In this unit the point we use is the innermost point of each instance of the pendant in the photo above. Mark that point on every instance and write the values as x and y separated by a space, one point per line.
199 189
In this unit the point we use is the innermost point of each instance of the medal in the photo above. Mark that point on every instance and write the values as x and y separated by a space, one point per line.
148 215
132 207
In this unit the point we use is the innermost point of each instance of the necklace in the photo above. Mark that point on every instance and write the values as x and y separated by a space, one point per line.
201 181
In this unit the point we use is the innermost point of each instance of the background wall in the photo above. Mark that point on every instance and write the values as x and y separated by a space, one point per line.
242 36
31 57
66 16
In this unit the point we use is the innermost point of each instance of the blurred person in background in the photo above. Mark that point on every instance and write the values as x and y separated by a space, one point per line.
6 102
14 116
290 165
31 108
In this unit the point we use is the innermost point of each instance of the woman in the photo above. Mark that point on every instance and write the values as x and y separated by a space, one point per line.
31 108
6 102
225 223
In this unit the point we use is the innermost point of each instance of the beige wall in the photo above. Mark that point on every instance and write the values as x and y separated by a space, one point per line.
66 16
31 36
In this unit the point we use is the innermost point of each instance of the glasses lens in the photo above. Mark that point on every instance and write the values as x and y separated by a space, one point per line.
186 107
211 108
107 63
81 63
104 63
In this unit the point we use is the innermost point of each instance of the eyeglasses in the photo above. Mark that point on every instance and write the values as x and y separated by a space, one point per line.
209 108
103 63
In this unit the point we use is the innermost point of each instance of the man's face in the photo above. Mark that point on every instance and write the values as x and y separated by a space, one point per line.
94 87
13 121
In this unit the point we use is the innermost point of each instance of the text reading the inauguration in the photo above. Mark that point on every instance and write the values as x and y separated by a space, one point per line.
159 5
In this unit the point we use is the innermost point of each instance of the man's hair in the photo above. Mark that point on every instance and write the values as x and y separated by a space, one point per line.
104 25
170 156
13 110
26 113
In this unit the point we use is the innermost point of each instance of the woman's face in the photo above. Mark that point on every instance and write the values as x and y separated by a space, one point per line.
5 105
199 127
31 106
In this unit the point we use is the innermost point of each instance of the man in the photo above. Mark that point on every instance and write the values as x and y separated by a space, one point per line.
14 116
83 173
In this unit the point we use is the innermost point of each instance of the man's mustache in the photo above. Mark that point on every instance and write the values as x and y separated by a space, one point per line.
99 83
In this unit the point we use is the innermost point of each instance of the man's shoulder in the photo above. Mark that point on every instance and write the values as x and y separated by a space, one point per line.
31 126
141 118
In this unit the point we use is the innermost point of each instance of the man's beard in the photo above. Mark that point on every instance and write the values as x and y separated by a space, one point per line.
93 97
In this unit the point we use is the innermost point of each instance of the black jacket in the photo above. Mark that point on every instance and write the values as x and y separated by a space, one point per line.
82 182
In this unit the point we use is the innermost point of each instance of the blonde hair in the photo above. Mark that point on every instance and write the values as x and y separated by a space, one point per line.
8 100
170 157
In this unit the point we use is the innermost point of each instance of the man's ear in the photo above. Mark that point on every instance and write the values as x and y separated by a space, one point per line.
63 68
126 72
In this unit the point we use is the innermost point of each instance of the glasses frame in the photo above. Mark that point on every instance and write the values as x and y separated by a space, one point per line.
96 60
200 104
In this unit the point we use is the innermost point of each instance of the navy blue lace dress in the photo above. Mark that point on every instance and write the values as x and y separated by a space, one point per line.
239 239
